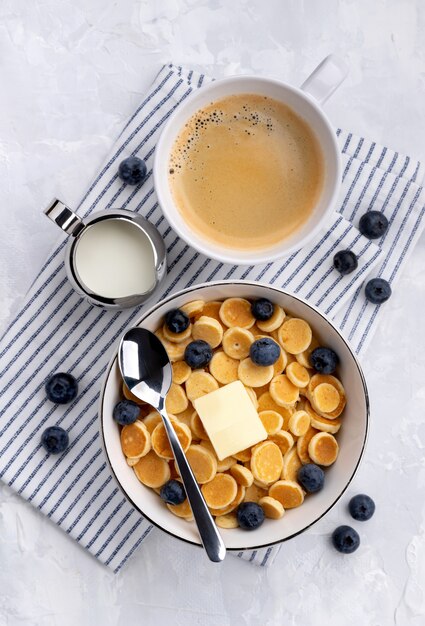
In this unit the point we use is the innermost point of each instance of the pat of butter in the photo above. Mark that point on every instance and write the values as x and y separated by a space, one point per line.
230 419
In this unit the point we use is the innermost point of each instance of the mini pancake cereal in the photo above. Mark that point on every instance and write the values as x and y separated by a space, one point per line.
200 383
176 401
254 375
193 309
181 372
237 312
237 342
220 491
272 508
299 410
291 465
160 443
135 440
224 368
208 329
288 493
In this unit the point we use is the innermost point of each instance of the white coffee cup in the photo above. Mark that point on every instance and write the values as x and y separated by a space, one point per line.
306 102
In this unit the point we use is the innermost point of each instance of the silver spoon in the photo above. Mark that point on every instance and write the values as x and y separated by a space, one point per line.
146 370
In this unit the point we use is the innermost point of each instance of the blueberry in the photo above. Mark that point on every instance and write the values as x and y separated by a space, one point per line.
264 351
373 224
126 412
377 291
345 539
262 309
345 262
324 360
361 507
55 440
198 354
61 388
173 492
132 170
250 515
311 477
177 321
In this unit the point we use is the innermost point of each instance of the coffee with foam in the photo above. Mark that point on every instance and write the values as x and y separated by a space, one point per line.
246 172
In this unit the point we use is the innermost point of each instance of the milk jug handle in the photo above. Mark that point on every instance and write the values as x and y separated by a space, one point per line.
66 219
326 78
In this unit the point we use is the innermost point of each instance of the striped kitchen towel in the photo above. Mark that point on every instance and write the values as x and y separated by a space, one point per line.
56 330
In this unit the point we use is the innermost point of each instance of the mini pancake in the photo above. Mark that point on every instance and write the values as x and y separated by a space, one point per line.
212 309
291 465
302 445
240 494
266 462
322 423
223 465
152 471
299 423
325 398
283 440
152 420
227 521
176 400
160 443
297 374
266 403
199 384
237 342
135 440
254 375
237 312
254 493
303 358
181 510
242 475
295 335
279 366
274 322
208 329
288 493
220 491
272 508
323 449
283 391
243 455
272 421
193 308
197 427
202 463
129 396
176 337
181 372
175 351
319 379
224 368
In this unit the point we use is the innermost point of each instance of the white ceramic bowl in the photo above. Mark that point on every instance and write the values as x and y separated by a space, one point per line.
307 108
351 437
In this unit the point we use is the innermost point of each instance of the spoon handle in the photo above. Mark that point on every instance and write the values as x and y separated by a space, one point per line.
211 538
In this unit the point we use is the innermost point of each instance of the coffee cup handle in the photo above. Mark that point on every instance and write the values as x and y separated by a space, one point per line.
66 219
326 78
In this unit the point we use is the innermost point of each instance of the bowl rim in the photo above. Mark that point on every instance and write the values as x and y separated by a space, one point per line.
216 283
228 255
